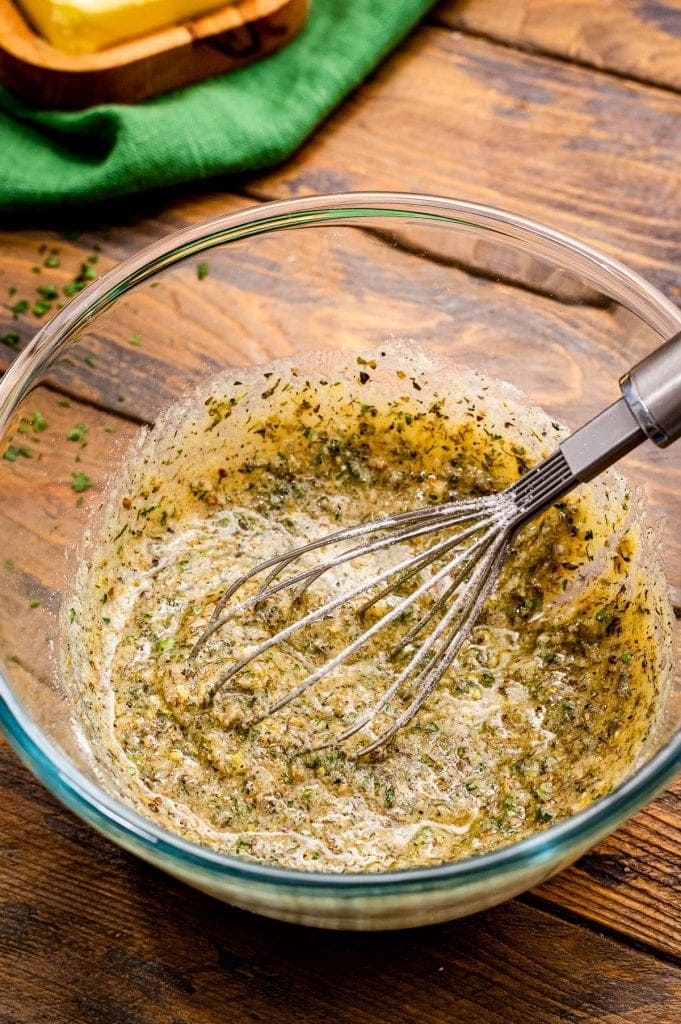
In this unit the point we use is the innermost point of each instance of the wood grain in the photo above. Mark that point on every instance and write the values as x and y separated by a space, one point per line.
88 933
136 69
630 38
632 881
464 117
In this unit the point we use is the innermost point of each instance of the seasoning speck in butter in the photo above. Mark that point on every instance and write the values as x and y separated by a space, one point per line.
549 704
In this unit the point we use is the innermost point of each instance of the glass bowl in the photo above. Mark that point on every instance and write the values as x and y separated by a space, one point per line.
498 292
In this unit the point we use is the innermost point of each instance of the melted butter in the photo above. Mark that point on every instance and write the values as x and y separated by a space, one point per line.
547 706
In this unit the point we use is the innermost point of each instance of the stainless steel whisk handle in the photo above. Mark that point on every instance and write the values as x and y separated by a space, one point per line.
650 406
652 391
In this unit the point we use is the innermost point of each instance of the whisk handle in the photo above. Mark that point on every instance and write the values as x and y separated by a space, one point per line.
652 391
650 406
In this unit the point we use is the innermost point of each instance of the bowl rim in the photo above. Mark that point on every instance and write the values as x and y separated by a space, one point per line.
112 816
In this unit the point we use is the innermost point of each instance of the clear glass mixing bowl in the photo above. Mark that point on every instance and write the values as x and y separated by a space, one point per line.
498 292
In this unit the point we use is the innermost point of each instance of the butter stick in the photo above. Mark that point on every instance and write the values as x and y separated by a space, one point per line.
85 26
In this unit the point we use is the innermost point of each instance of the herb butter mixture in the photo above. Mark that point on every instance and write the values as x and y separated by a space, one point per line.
547 706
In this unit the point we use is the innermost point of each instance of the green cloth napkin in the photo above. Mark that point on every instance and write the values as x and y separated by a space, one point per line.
242 121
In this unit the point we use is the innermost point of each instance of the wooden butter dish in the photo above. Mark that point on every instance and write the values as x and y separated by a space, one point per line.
209 45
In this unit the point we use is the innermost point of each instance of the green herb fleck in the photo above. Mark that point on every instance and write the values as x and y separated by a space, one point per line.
89 359
77 433
20 307
202 271
11 338
80 482
38 422
542 815
135 339
33 603
13 452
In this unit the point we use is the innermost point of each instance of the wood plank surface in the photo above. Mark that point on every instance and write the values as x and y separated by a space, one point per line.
632 881
98 936
636 40
453 114
584 152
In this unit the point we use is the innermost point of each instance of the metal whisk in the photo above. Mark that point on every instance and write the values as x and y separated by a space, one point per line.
470 541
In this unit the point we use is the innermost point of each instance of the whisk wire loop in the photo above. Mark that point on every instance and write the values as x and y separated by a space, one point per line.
430 521
327 609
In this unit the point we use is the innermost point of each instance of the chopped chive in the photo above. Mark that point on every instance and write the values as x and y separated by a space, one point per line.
38 422
13 452
77 433
80 482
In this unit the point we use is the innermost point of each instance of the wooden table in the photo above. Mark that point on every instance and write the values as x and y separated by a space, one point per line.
569 112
